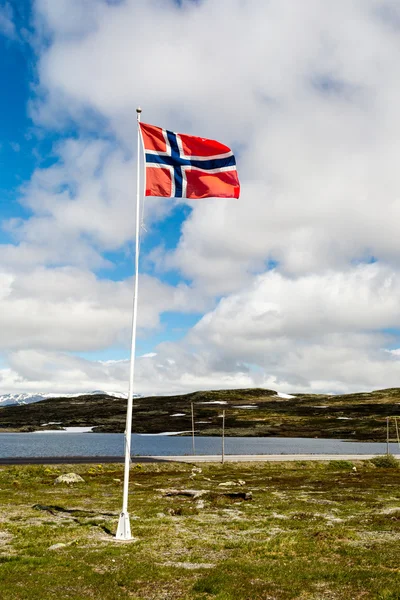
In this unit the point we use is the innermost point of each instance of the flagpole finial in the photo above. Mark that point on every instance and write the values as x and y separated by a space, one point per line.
138 110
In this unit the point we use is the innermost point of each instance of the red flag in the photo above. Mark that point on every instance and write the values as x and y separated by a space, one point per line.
185 166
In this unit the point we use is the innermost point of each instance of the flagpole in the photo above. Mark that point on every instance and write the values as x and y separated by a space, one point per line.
124 527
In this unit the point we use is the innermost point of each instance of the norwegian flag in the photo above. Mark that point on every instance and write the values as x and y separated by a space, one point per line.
185 166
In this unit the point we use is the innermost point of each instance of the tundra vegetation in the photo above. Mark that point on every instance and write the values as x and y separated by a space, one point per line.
306 531
252 412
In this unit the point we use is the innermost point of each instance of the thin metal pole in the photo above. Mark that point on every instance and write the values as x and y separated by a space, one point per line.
387 435
397 431
223 436
124 528
193 449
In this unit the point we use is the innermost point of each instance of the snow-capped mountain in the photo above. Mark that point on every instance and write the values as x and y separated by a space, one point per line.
24 398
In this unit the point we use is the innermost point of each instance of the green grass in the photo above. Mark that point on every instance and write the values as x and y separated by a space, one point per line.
387 461
312 531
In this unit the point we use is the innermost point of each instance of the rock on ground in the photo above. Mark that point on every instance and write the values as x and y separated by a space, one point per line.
69 478
57 546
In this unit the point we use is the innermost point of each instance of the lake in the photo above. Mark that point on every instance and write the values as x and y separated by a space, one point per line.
52 443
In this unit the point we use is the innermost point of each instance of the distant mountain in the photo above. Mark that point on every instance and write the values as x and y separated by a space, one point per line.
248 412
24 398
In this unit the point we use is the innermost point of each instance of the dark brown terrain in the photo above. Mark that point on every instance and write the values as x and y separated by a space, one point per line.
359 416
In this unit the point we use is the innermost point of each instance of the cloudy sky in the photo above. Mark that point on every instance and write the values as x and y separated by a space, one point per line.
295 286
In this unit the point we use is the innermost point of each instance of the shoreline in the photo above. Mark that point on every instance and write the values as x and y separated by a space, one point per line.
246 434
212 458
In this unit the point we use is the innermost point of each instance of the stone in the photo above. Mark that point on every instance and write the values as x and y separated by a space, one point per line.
69 478
226 484
190 493
240 495
57 546
187 565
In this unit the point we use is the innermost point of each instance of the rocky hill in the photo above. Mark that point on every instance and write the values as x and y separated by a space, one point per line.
26 398
249 412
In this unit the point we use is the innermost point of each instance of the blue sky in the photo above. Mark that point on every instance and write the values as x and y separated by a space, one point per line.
299 278
17 143
26 146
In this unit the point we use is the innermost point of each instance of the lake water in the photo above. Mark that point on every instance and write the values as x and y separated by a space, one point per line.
112 444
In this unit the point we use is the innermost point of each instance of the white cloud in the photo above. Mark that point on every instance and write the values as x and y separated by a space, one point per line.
71 310
82 205
38 371
308 95
7 27
314 119
317 332
43 371
366 297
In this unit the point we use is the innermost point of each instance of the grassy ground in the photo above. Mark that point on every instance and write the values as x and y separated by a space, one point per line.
311 531
349 416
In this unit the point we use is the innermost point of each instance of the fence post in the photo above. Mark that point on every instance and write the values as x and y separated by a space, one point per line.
193 450
387 436
223 436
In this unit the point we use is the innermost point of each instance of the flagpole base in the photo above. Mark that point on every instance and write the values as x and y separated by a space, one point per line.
124 527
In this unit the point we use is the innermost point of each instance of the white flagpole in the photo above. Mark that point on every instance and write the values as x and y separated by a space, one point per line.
124 527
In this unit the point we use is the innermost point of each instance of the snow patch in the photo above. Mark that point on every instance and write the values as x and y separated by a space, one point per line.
286 396
214 402
68 430
78 429
25 398
165 433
